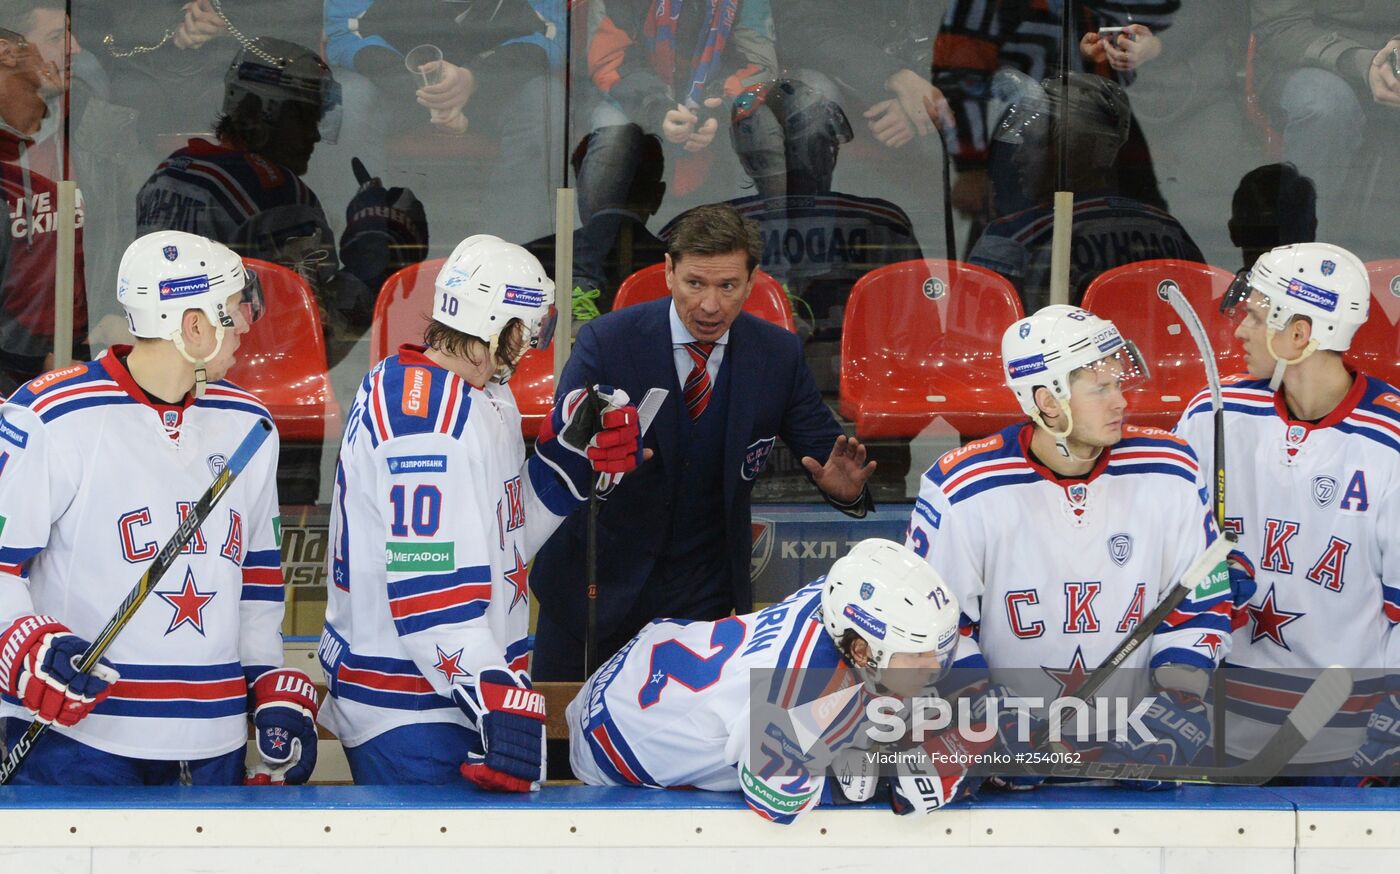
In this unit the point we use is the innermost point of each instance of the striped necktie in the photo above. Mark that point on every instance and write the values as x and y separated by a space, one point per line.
697 385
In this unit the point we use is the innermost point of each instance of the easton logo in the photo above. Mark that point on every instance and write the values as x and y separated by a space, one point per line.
417 385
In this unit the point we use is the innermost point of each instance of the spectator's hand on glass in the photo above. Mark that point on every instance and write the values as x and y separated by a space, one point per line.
201 24
452 86
1385 85
678 124
889 124
915 95
1132 47
704 133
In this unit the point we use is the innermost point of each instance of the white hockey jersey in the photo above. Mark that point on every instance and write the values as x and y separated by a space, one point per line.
1317 509
673 707
434 519
1052 574
94 479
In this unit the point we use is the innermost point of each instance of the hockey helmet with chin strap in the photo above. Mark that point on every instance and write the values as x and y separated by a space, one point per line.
1325 283
894 600
1044 349
485 284
278 72
165 274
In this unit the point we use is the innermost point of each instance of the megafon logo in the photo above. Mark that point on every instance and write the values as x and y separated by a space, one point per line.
417 385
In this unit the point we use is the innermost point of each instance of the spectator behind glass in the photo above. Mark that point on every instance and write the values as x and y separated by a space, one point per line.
1273 206
31 205
1110 228
245 190
498 77
1324 72
614 241
816 241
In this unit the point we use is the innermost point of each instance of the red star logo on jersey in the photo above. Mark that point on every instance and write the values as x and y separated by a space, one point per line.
450 665
1070 678
1212 640
519 577
189 604
1269 621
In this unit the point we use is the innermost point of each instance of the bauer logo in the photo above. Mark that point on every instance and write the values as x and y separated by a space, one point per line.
865 621
412 557
523 297
1028 366
1312 295
15 435
189 286
417 385
418 464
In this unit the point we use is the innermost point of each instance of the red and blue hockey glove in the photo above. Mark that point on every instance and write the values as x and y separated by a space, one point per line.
939 777
284 720
1242 587
1379 754
39 665
584 437
1181 726
509 715
385 229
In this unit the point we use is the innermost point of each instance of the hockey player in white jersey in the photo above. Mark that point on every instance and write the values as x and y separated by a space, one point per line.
676 706
99 462
1312 460
435 517
1060 534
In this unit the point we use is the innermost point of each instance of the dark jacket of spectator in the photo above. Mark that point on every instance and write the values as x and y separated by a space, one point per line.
1341 36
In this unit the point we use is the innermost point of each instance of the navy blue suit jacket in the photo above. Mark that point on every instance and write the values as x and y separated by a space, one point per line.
771 394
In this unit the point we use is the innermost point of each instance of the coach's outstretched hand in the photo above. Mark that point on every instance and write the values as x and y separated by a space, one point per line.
845 472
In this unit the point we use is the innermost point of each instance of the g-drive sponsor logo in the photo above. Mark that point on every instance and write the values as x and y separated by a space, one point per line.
15 435
419 556
1026 366
523 297
417 386
418 464
188 286
1311 294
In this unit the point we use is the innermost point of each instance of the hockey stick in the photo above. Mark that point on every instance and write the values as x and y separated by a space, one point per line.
1200 573
1324 697
1170 292
168 555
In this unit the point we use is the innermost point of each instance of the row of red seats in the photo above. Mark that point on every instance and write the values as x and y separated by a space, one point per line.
921 339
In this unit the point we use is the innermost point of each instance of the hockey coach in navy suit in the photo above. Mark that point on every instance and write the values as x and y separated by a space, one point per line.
674 536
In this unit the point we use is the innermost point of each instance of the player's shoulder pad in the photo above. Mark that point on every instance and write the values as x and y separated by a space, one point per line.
1240 393
958 466
412 397
1152 450
68 389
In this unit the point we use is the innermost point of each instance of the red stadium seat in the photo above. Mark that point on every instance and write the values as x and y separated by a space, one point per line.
768 301
1375 349
923 339
1127 296
282 358
401 312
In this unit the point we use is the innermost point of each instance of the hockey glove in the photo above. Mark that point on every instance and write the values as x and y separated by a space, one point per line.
39 665
590 435
385 229
284 719
1010 738
509 715
1242 587
938 778
1178 720
1379 754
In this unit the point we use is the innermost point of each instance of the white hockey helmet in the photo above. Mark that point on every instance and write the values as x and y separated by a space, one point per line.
894 600
486 283
165 274
1324 282
1043 349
